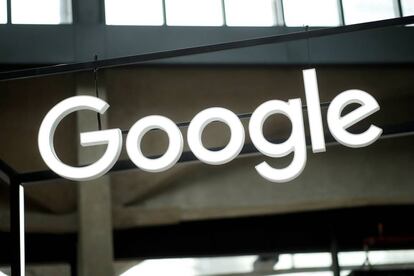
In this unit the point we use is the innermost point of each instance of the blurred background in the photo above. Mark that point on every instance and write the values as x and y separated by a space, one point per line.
349 213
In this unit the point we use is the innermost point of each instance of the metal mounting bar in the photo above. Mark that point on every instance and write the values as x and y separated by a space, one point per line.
241 116
136 59
122 165
7 173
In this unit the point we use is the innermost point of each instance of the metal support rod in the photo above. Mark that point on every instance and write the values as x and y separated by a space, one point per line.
241 116
164 12
341 13
223 12
393 131
17 228
398 8
9 11
74 265
334 253
95 73
280 15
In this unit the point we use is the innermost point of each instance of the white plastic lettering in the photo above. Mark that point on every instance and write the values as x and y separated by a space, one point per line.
111 137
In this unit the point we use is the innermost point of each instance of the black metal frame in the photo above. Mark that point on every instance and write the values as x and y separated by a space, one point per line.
17 180
138 59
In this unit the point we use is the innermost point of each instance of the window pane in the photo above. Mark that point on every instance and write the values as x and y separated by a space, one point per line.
407 7
41 11
250 12
358 11
193 266
3 11
194 12
357 258
134 12
311 13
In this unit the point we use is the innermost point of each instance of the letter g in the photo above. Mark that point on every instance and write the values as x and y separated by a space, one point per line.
111 137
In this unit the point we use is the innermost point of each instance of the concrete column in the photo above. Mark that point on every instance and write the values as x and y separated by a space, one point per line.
95 248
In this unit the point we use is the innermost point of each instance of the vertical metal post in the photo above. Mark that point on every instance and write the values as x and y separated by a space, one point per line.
9 11
74 265
398 8
341 13
279 13
17 228
334 253
223 12
164 12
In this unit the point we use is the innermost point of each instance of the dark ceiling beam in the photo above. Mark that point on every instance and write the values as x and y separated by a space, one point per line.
238 236
212 48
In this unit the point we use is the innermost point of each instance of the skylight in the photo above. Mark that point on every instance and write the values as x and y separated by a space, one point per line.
3 11
134 12
41 11
358 11
311 13
407 7
250 12
194 12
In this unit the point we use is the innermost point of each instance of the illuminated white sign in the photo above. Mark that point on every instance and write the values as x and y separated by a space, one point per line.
295 144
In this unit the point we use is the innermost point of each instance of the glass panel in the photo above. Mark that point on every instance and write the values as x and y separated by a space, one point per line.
250 12
358 11
312 260
194 12
193 266
376 257
285 262
3 11
134 12
322 273
407 7
41 11
303 260
311 13
247 264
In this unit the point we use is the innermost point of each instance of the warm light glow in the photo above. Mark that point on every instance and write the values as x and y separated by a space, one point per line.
41 11
311 13
250 13
134 12
194 12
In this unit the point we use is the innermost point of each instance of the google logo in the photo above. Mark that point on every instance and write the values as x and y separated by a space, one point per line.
292 109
